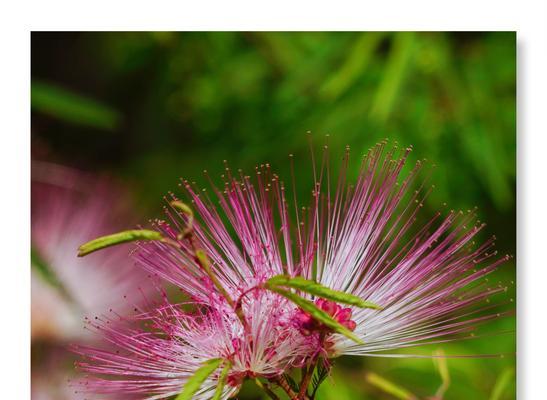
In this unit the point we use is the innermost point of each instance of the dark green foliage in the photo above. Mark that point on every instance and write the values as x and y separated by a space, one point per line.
190 100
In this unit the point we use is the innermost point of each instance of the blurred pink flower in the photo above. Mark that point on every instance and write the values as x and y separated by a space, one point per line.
69 208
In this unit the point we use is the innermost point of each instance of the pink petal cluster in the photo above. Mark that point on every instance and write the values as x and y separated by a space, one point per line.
158 360
362 238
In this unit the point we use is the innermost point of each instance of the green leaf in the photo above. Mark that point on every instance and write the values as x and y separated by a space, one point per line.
194 383
222 380
117 238
317 313
319 290
389 387
292 383
68 106
320 375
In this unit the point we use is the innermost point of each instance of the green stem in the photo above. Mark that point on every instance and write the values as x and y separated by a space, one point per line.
203 261
201 258
266 389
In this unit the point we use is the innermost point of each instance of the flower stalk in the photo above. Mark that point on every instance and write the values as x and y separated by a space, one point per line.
283 384
306 379
266 388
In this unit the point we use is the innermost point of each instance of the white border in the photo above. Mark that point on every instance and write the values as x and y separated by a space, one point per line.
276 15
531 202
527 17
15 212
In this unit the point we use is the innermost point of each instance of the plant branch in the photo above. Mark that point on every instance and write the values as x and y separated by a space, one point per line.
306 379
200 256
282 382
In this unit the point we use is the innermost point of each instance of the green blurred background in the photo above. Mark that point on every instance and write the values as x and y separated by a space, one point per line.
149 108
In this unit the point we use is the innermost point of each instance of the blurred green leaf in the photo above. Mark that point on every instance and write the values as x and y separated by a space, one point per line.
337 390
397 64
318 290
71 107
389 387
342 385
354 66
195 381
502 383
117 238
46 272
442 367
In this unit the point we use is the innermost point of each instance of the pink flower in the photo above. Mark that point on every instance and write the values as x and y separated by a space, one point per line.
69 208
156 362
361 238
364 239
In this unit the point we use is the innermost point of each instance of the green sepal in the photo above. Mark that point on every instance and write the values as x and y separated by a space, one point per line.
316 313
319 290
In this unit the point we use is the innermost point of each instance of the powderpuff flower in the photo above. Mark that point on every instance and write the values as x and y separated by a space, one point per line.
361 238
156 361
69 208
